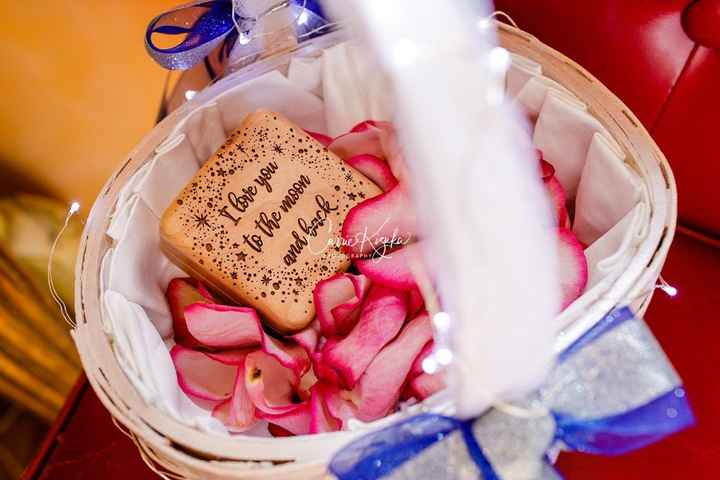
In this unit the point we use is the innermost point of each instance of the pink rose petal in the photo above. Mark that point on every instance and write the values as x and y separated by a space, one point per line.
238 412
307 339
230 357
416 302
388 218
201 376
347 313
293 357
558 200
362 126
425 384
295 421
321 369
393 269
270 386
382 316
320 419
180 293
222 326
417 368
572 266
357 143
320 137
380 386
338 403
374 168
337 300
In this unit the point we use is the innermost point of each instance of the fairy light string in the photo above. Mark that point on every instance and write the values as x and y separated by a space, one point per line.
72 210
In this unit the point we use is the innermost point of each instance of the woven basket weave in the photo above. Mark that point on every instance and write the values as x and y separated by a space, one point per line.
175 450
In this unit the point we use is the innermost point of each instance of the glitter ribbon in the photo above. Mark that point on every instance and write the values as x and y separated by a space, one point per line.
207 24
612 391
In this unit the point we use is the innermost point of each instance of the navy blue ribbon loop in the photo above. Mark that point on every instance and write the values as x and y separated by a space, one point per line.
207 24
623 433
376 455
641 423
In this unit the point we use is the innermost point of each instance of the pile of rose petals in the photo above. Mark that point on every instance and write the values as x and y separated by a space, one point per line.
364 352
356 361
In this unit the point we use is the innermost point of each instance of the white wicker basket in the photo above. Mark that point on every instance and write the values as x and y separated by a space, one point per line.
176 450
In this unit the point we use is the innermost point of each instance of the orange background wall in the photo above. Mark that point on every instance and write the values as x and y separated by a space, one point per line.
76 93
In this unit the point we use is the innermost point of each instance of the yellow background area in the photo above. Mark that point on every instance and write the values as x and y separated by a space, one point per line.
78 91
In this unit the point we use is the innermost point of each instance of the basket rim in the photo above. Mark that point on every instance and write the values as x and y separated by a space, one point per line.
156 428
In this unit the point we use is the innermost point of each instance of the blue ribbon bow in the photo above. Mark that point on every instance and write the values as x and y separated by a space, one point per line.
208 24
612 391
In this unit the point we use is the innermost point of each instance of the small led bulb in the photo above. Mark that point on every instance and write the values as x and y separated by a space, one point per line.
429 365
303 17
441 320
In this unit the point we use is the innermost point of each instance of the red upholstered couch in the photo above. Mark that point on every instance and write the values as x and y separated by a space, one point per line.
662 57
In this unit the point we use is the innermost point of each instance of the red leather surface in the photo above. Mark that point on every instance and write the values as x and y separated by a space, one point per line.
636 48
687 326
90 447
702 22
640 50
87 446
688 132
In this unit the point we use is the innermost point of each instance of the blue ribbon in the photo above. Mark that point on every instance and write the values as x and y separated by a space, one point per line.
619 434
206 25
377 455
380 453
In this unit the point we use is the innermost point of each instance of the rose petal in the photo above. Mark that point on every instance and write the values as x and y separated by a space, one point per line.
339 403
558 200
547 171
180 293
393 269
337 301
278 431
230 357
307 339
320 419
201 376
320 137
293 357
222 326
382 316
306 383
321 369
388 218
296 422
357 143
238 412
346 314
426 384
374 168
572 266
270 386
364 125
416 302
417 368
380 386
